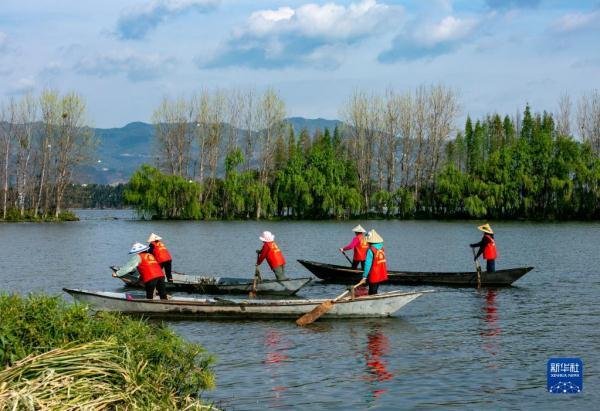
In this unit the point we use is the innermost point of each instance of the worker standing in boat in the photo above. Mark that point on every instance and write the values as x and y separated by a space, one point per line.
150 271
359 245
157 248
271 252
375 270
487 247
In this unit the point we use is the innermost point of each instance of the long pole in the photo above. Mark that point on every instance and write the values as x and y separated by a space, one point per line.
478 268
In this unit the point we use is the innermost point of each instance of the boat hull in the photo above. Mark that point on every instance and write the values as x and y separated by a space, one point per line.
337 274
225 285
380 305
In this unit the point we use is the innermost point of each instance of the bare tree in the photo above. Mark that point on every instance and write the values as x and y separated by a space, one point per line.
391 128
171 123
249 120
8 116
270 126
442 108
420 124
588 118
356 119
563 116
26 116
406 120
50 107
72 145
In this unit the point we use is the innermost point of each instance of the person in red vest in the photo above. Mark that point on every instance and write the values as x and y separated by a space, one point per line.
359 245
487 247
162 255
150 271
375 271
272 254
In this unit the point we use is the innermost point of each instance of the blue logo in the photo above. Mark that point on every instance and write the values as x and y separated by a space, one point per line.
565 375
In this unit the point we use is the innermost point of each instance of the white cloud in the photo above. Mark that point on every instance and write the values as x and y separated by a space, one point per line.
577 21
137 67
22 86
136 22
296 36
428 39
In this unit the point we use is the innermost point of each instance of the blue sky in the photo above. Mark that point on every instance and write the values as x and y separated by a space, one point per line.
124 56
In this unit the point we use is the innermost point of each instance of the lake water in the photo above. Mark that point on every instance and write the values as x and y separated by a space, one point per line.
454 349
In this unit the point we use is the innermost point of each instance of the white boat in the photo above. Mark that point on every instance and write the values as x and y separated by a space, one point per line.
379 305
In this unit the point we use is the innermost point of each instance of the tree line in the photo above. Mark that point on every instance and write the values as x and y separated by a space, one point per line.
42 142
230 154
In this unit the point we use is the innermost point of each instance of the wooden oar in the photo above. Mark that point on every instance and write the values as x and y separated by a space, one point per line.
252 293
478 268
322 308
347 258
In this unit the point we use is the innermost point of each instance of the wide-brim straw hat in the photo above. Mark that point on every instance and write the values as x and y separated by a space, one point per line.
486 229
359 229
266 237
374 237
154 237
138 248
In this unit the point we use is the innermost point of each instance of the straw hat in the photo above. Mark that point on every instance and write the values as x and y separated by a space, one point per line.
267 237
359 229
374 238
138 248
486 229
153 237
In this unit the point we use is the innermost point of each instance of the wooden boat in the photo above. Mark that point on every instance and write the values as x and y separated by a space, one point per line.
224 285
380 305
338 274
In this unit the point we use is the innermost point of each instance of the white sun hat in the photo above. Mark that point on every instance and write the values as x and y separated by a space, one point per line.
154 237
138 248
374 238
359 229
267 237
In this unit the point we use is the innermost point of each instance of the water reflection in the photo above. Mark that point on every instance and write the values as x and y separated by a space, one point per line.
275 357
378 346
491 330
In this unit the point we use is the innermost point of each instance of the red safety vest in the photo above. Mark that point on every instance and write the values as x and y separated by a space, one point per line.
274 255
378 271
149 268
160 252
490 252
360 251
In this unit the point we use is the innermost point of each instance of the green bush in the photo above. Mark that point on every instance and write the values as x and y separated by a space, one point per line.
168 366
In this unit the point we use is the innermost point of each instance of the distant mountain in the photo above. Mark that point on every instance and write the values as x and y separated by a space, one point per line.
311 125
122 150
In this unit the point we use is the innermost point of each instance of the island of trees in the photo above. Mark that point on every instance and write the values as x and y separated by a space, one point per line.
396 155
232 155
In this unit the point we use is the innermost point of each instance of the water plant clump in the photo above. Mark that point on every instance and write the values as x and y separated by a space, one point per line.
57 355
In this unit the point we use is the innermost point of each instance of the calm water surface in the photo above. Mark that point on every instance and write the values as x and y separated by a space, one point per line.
455 349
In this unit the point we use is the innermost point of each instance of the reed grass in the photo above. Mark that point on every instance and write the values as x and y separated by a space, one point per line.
58 356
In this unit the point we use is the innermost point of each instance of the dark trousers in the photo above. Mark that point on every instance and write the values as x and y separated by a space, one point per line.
156 284
490 266
373 288
280 272
166 266
355 264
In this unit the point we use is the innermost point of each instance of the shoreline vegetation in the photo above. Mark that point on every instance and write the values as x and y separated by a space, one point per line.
58 355
231 154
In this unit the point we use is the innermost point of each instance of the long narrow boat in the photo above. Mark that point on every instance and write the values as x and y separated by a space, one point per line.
337 274
224 285
379 305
